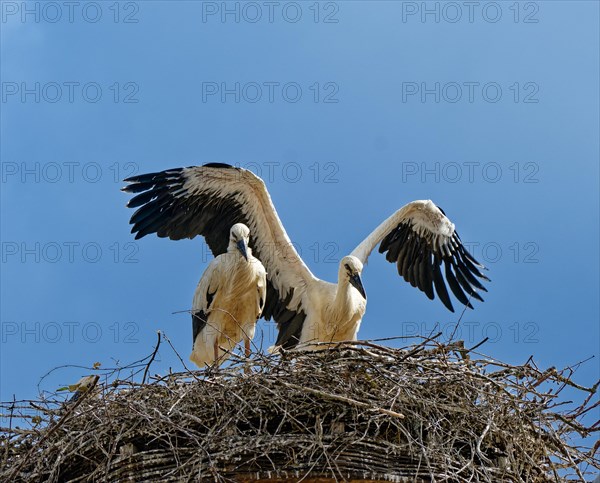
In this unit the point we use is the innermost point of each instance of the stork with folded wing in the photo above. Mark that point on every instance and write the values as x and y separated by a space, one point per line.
228 301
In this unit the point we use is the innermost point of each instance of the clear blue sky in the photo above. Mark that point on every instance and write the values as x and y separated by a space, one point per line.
492 113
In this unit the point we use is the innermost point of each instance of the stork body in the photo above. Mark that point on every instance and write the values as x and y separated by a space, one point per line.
333 310
203 200
228 301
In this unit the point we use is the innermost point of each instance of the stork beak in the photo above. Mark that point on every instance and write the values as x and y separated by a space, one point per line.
356 282
242 248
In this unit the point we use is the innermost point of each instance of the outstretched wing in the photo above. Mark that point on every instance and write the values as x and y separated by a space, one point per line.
418 238
208 200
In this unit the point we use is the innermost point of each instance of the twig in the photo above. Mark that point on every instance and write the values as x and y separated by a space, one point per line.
152 356
348 400
50 432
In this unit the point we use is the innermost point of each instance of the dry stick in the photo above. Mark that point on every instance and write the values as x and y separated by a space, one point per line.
348 400
478 345
459 320
420 347
595 448
575 366
593 390
10 428
398 337
569 457
568 382
189 371
339 345
152 357
583 431
581 410
50 432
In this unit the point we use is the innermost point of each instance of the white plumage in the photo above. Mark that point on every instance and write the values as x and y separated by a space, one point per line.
228 301
206 200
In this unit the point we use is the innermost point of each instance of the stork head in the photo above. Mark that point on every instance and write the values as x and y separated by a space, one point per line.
239 236
350 270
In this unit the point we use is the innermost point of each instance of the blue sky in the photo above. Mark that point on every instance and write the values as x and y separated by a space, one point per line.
348 113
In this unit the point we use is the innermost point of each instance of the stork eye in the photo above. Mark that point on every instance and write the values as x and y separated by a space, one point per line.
347 267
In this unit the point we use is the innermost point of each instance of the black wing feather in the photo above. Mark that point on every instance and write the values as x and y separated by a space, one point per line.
419 260
427 276
289 322
462 252
440 286
465 284
164 210
454 285
198 323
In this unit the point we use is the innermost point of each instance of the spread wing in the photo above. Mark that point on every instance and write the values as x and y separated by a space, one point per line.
208 200
419 238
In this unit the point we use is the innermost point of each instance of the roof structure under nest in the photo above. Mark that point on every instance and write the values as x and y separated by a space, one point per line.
358 412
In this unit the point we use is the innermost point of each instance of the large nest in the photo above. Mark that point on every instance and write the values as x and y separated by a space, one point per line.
427 412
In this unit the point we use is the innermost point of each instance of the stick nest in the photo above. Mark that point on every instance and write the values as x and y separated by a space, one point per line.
427 412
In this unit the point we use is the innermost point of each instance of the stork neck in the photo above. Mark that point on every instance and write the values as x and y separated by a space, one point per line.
363 250
342 304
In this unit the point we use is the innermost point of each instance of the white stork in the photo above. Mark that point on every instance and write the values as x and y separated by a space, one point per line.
206 200
228 301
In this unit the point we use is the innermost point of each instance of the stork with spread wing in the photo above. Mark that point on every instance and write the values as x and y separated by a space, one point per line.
208 200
